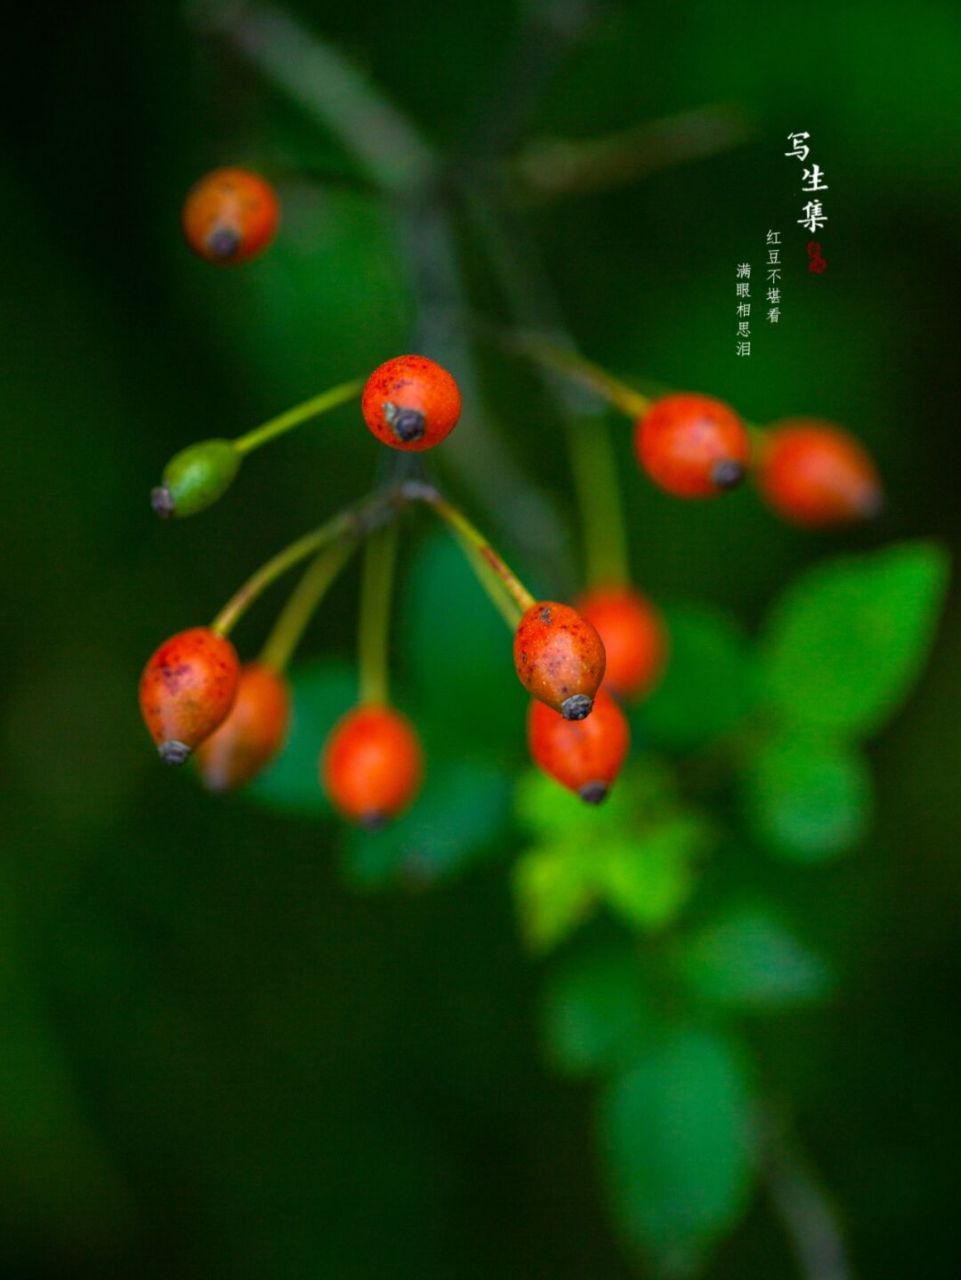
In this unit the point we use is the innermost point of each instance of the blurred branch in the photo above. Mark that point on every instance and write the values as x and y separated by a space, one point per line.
802 1204
327 85
549 168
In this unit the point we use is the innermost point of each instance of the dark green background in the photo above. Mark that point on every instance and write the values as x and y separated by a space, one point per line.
215 1059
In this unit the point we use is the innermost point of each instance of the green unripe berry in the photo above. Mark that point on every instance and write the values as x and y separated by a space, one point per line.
195 478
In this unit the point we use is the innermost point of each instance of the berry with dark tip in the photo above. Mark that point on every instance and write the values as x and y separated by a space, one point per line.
584 756
253 732
634 635
372 765
559 658
187 690
411 403
692 445
814 474
230 216
195 478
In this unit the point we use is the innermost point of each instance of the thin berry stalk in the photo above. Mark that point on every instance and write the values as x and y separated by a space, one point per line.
380 554
303 604
599 502
290 418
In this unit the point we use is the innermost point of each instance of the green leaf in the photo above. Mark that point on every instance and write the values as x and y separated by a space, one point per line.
595 1011
708 686
458 651
749 959
845 642
555 888
806 798
322 691
459 814
549 811
648 877
674 1134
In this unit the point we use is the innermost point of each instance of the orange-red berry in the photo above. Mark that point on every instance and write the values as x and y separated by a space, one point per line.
230 215
253 732
372 764
691 445
584 756
814 473
559 658
410 403
634 636
187 689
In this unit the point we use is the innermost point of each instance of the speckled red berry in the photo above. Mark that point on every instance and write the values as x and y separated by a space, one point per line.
813 473
410 403
187 689
559 658
253 732
693 446
230 215
634 636
586 755
372 765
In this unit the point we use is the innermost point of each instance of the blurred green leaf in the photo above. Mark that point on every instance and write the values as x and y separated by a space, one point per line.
323 691
648 877
460 812
556 888
595 1011
708 686
750 959
846 640
548 811
674 1139
807 798
458 651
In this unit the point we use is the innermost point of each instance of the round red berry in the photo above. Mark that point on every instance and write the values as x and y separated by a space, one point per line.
253 732
634 636
585 755
187 689
230 215
693 446
372 765
559 658
410 403
813 473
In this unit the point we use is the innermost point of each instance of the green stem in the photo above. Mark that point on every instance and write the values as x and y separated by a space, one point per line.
291 418
599 502
575 366
482 554
380 554
303 603
354 522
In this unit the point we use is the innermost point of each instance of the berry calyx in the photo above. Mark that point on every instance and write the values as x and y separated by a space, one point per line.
187 689
195 478
252 733
230 216
411 403
584 756
692 445
372 764
634 636
559 658
814 474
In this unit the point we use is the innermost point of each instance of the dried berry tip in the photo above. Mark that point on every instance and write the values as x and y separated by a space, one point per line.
223 242
593 792
407 424
373 821
727 474
577 707
162 501
174 752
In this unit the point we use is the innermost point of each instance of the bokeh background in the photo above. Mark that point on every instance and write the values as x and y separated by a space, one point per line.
218 1054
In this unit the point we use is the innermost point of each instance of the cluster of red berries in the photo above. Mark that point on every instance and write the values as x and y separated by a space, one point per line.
196 696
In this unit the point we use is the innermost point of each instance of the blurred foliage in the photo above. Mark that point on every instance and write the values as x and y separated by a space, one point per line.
218 1057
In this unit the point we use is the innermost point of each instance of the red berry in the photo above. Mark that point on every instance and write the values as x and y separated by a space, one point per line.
814 473
693 446
253 732
187 689
559 658
634 636
411 403
230 215
586 755
372 764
